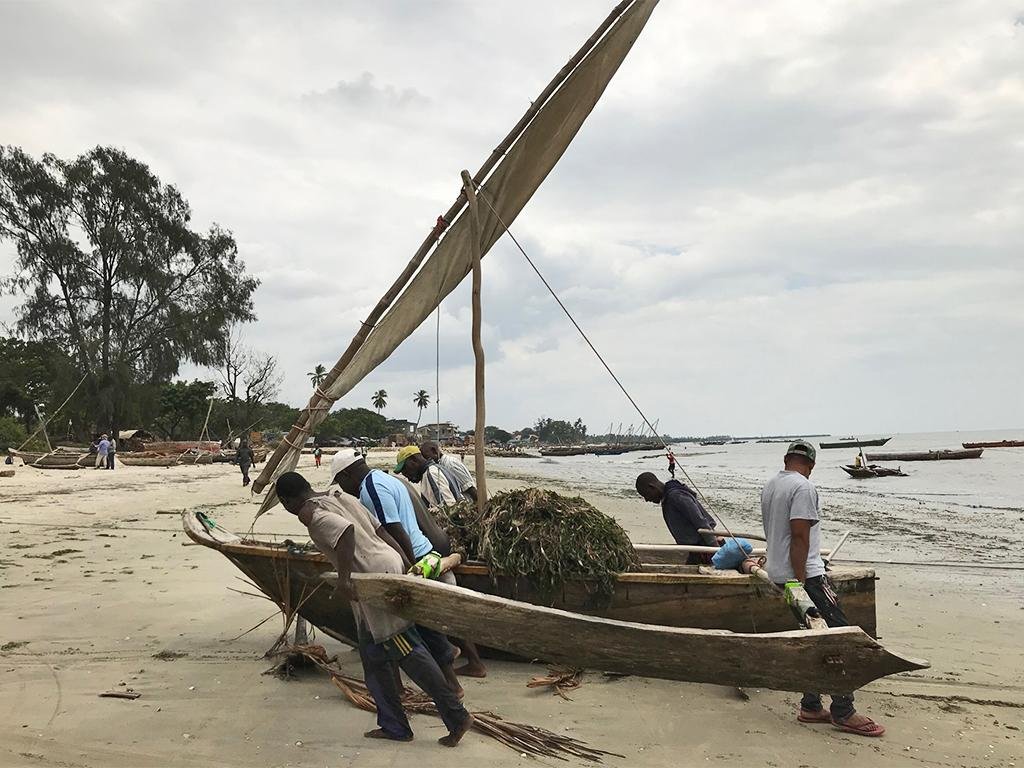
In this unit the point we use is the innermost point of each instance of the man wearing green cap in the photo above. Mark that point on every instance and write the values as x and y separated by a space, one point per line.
791 514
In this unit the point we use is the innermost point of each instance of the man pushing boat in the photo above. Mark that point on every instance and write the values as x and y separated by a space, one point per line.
355 543
791 514
684 515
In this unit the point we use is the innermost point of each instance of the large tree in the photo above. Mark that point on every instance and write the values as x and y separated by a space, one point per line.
112 271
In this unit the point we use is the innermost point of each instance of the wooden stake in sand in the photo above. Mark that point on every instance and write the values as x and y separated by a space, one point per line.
480 429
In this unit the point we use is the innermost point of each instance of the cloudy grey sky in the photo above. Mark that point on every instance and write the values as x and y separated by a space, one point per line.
782 217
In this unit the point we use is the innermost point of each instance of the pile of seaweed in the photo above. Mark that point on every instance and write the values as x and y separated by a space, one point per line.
545 538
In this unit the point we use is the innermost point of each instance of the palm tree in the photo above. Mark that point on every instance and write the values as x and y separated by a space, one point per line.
317 375
380 400
421 400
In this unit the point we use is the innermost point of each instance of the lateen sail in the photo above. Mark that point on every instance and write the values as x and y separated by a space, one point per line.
508 188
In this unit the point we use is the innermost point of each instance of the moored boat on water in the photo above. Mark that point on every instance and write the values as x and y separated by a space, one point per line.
996 444
943 455
852 442
872 470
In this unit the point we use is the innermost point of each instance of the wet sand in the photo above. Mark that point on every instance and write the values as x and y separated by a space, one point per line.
95 586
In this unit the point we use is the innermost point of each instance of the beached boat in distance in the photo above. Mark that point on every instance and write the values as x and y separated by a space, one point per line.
943 455
147 459
996 444
844 658
852 442
667 594
872 470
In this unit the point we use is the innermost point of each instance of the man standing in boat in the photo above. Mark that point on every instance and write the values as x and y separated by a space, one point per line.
791 514
456 471
684 515
354 543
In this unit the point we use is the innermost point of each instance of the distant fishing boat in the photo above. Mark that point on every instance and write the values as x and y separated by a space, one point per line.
943 455
997 444
872 470
852 442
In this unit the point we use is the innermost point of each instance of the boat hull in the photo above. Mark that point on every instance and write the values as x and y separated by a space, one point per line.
946 455
675 596
855 443
997 444
840 659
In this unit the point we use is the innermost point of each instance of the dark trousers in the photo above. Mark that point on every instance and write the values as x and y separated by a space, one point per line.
415 660
439 645
823 594
110 460
245 473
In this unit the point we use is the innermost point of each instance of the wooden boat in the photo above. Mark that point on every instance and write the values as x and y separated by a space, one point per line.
943 455
30 457
844 658
193 456
997 444
64 458
872 470
854 443
714 442
667 593
180 446
147 459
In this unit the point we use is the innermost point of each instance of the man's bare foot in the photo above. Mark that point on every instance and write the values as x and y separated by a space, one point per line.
452 679
814 716
453 738
380 733
469 669
859 724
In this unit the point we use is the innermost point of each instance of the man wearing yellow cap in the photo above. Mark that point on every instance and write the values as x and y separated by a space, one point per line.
436 487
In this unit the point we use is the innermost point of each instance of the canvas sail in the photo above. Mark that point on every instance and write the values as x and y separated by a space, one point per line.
508 188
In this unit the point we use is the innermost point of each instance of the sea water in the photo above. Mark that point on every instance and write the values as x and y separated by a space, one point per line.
944 511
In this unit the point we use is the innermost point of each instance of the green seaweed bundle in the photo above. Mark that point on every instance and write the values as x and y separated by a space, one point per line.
545 538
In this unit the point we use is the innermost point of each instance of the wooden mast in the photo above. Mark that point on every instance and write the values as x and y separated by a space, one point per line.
480 428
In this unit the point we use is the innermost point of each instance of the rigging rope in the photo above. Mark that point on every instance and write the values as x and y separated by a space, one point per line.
568 314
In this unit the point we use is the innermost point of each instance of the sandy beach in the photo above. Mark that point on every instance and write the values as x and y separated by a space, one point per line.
98 593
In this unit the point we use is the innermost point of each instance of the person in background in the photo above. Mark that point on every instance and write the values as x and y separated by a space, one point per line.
455 470
388 502
355 543
672 464
684 515
102 447
111 451
246 459
791 514
435 486
317 455
10 456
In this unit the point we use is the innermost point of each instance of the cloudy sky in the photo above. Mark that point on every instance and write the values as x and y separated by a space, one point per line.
782 217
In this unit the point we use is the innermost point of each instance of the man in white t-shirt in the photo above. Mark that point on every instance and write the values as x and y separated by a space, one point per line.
344 532
791 514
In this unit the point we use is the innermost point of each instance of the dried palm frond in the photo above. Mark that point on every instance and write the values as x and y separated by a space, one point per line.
560 679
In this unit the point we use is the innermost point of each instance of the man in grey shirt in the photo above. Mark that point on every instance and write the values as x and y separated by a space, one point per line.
791 514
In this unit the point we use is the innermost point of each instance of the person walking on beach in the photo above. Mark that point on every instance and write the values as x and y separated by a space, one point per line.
111 452
102 447
354 543
388 502
245 458
791 514
317 454
672 464
456 471
684 515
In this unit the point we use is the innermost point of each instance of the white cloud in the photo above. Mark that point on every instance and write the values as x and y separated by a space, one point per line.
782 216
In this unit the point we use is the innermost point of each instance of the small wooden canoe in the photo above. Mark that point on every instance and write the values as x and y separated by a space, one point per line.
997 444
854 443
841 659
943 455
872 470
